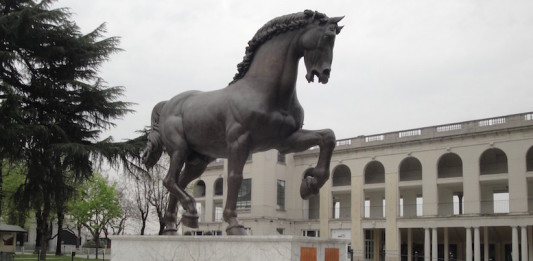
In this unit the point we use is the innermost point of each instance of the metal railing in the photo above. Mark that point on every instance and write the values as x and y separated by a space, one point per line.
67 250
475 126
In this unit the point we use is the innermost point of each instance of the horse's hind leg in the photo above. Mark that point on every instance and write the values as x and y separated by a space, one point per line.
177 193
170 182
194 167
171 215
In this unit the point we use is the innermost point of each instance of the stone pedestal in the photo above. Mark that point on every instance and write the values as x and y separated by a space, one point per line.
234 248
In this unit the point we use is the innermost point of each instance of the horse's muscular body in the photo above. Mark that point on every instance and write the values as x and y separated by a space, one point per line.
258 111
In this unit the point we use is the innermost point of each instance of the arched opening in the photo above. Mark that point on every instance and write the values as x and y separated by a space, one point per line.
529 159
374 173
199 189
219 187
494 196
374 199
493 161
450 194
342 176
410 169
450 166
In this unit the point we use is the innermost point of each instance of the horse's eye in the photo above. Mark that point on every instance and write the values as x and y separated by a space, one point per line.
329 35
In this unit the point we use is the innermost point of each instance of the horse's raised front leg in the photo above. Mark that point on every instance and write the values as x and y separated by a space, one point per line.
238 153
304 139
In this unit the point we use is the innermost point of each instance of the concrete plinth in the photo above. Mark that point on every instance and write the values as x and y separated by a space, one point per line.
246 248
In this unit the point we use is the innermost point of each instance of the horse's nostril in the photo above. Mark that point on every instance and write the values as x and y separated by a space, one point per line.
327 71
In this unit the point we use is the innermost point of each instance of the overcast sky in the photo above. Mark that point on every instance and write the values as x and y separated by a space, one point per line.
397 64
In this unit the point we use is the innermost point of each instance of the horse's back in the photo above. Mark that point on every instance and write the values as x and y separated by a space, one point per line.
199 119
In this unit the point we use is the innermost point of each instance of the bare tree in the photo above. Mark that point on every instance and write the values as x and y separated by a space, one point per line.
158 196
143 190
118 224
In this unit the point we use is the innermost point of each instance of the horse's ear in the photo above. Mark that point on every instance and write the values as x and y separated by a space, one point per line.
335 20
339 28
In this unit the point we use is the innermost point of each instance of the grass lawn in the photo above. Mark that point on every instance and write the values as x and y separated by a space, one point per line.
53 258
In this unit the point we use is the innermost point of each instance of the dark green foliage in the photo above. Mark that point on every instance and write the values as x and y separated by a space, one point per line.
53 105
14 175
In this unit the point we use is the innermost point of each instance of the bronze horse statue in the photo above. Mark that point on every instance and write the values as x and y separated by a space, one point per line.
257 111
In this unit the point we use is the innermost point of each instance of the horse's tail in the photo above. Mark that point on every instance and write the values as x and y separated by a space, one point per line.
154 146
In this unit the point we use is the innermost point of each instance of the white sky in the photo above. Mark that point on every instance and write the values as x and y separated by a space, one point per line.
397 64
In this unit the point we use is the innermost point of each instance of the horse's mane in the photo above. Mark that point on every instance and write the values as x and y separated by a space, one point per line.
272 28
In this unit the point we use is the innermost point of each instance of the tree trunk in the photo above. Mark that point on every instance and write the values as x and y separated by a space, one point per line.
1 186
161 228
39 234
45 236
96 238
60 218
121 226
44 240
143 217
161 221
78 242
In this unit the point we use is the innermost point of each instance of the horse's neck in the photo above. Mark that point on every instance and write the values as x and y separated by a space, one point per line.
275 65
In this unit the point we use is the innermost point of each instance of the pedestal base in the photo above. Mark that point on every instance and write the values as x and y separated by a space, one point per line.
245 248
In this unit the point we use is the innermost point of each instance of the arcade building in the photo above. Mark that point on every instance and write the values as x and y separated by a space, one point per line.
455 191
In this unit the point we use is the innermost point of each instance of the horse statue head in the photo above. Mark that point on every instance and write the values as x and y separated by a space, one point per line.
317 43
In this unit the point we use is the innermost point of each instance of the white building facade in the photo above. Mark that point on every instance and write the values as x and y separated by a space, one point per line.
464 189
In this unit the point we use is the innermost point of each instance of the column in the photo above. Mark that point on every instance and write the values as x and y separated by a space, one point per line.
515 242
434 245
518 195
468 243
460 198
471 182
409 244
325 206
486 243
429 184
530 242
477 250
377 242
427 247
208 215
523 235
358 241
446 245
392 202
399 240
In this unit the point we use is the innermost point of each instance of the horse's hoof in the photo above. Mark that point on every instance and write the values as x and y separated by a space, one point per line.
170 232
236 230
308 187
189 220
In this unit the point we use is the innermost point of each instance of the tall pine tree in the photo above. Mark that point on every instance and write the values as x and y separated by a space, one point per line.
54 105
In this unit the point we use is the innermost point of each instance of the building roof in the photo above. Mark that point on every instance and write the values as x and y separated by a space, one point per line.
11 228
